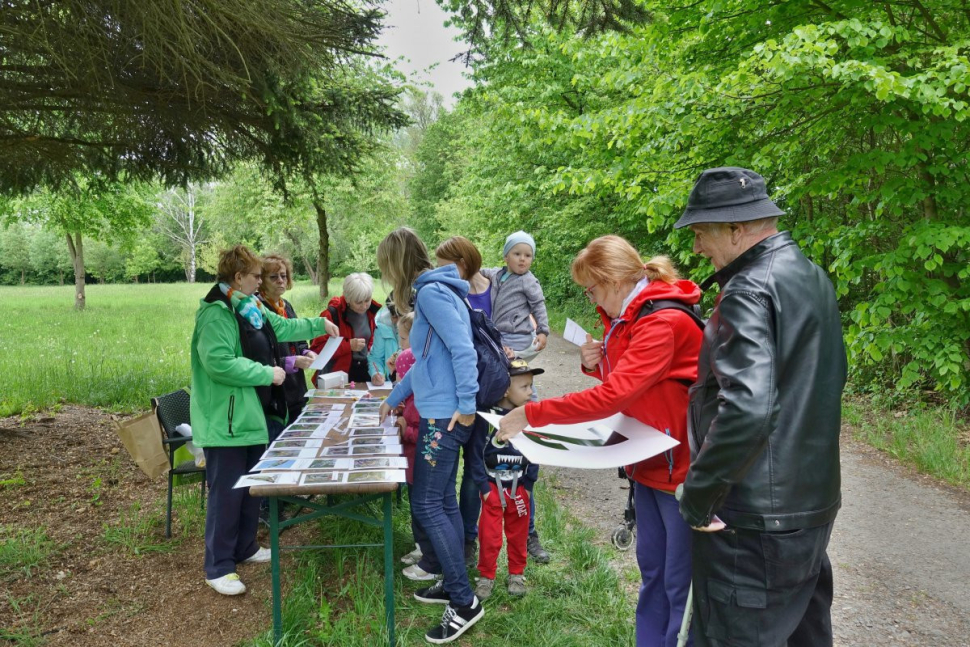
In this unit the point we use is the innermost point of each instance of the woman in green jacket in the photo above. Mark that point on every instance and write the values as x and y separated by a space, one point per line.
237 397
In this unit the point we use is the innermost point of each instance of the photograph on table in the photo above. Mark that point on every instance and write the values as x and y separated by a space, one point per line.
364 432
365 450
335 450
365 420
382 476
318 478
268 478
298 443
393 462
281 464
324 464
291 453
373 440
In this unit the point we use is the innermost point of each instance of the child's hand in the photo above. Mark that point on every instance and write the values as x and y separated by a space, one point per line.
377 379
509 352
540 341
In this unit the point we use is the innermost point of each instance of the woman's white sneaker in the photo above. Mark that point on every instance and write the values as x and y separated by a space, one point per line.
418 574
261 556
227 584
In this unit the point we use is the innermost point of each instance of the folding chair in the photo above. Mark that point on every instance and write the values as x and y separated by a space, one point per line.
172 410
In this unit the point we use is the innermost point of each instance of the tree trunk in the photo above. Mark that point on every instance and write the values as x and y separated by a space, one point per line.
323 250
306 262
23 275
76 247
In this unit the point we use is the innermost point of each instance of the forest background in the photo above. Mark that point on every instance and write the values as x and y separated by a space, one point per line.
855 112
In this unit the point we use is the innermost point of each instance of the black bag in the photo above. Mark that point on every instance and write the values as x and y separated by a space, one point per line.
694 312
493 364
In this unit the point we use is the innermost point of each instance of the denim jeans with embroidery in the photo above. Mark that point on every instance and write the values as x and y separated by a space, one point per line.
435 505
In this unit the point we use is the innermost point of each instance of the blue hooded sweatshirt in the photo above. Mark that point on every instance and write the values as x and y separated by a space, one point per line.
445 378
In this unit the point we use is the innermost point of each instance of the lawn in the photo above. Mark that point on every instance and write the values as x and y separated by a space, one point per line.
129 344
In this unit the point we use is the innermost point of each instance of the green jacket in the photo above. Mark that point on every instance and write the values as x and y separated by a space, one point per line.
225 409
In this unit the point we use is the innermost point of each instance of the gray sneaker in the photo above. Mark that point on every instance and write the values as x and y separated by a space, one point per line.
516 585
483 589
536 551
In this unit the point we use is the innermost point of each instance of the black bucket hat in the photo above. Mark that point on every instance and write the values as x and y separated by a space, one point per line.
728 194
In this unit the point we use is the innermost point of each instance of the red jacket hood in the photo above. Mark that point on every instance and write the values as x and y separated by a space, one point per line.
687 292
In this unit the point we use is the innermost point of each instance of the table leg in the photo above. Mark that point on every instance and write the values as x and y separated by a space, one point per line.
274 539
388 569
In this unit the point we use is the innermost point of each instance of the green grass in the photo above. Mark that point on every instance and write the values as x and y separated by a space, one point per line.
933 440
140 531
23 551
336 596
130 343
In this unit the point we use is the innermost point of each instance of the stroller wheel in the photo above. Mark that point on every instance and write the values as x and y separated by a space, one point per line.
622 538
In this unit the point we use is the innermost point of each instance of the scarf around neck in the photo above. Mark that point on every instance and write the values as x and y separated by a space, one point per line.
246 307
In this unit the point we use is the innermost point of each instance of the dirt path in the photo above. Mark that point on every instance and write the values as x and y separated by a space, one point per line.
899 548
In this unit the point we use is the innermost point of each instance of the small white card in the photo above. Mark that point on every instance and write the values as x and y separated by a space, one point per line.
268 478
326 353
574 333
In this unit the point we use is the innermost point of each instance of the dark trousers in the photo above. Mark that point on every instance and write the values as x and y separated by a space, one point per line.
762 589
663 555
231 516
434 504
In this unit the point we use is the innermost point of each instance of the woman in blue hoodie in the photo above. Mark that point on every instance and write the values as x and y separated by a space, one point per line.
444 381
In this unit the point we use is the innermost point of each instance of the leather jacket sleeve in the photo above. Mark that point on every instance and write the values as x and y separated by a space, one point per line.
743 361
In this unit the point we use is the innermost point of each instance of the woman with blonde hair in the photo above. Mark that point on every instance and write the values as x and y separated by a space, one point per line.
444 382
646 362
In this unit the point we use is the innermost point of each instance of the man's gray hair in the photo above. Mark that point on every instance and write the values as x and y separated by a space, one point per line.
358 287
760 225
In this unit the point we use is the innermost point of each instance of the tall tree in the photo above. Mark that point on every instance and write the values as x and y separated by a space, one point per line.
93 209
181 221
148 89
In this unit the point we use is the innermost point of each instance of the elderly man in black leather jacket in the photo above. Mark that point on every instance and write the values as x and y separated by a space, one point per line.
763 488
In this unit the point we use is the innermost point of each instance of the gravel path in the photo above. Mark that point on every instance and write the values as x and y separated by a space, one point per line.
899 548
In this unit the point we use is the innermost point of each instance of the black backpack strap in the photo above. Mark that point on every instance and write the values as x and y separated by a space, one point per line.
693 312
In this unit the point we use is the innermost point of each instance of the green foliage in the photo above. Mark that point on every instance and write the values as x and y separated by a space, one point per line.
856 114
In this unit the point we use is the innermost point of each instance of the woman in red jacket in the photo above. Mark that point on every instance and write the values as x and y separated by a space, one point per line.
354 314
646 364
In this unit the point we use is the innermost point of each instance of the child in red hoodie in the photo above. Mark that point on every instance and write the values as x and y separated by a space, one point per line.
408 419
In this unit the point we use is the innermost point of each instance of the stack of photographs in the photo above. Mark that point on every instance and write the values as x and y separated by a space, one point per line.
332 443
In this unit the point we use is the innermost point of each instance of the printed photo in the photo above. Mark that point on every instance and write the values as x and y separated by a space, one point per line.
274 464
336 451
321 477
323 464
372 431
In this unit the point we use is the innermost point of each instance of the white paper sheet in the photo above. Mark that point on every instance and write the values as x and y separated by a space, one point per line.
574 333
387 386
324 355
642 442
268 478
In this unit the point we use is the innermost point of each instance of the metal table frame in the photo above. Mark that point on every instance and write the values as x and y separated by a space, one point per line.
343 509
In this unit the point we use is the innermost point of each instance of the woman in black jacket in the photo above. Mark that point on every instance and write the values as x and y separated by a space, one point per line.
297 356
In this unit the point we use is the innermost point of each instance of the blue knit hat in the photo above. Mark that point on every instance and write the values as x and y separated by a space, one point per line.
516 238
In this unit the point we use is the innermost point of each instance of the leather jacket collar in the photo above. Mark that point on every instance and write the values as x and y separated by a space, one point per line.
770 244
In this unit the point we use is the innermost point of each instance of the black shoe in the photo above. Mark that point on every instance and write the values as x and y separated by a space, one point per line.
471 554
455 622
434 594
536 551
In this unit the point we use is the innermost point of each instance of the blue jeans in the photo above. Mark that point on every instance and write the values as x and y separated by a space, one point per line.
663 554
435 505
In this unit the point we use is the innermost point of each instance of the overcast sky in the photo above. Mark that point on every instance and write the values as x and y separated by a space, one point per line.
416 31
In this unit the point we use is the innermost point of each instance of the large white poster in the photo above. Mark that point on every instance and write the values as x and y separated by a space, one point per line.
611 442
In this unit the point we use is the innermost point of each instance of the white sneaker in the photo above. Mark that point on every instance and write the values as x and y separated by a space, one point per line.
228 584
413 557
261 556
418 574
